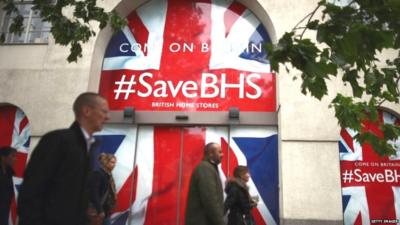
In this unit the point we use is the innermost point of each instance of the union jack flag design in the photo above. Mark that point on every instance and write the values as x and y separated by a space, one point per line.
189 51
370 184
15 132
154 165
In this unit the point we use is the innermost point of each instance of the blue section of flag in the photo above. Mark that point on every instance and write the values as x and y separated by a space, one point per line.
345 201
262 160
264 34
27 143
120 219
113 48
255 50
107 144
342 148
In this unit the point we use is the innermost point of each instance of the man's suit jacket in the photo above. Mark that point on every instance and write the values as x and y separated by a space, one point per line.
54 190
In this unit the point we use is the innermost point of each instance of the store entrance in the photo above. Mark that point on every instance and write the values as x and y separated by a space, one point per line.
154 165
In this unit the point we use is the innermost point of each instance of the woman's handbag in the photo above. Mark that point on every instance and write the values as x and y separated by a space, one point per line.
94 217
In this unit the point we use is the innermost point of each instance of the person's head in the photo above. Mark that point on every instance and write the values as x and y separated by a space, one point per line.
213 152
8 156
107 161
91 111
242 172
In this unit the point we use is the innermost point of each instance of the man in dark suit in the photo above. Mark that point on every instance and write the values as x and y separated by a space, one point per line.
205 204
54 190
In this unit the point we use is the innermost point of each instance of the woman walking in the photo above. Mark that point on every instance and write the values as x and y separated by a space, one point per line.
238 201
102 196
8 156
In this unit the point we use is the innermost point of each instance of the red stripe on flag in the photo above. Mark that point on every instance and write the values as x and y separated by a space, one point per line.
257 217
373 128
358 220
139 31
193 152
229 160
232 14
382 200
20 164
23 124
186 63
125 198
162 205
347 138
368 153
7 118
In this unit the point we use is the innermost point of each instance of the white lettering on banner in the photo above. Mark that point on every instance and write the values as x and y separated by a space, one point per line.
210 86
361 163
197 105
162 104
392 176
126 47
204 47
190 47
357 175
183 105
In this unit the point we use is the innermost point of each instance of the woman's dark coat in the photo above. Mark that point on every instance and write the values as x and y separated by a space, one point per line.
6 194
237 202
99 186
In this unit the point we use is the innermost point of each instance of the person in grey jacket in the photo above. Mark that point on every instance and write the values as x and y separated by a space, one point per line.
205 204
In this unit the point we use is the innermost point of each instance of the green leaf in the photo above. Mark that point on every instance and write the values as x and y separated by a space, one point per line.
313 24
348 113
379 145
391 131
75 52
17 25
116 22
351 76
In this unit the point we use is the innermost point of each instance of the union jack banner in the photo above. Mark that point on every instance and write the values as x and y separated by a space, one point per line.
370 184
15 132
189 55
154 166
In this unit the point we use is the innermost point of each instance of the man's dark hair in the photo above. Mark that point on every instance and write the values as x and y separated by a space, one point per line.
85 99
240 170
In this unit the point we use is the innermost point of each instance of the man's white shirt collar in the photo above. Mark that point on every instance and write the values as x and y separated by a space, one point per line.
89 139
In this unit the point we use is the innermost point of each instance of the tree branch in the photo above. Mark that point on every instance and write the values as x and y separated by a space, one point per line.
309 19
311 14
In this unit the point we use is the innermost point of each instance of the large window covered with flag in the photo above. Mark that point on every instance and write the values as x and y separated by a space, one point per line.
15 132
155 163
188 56
370 183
